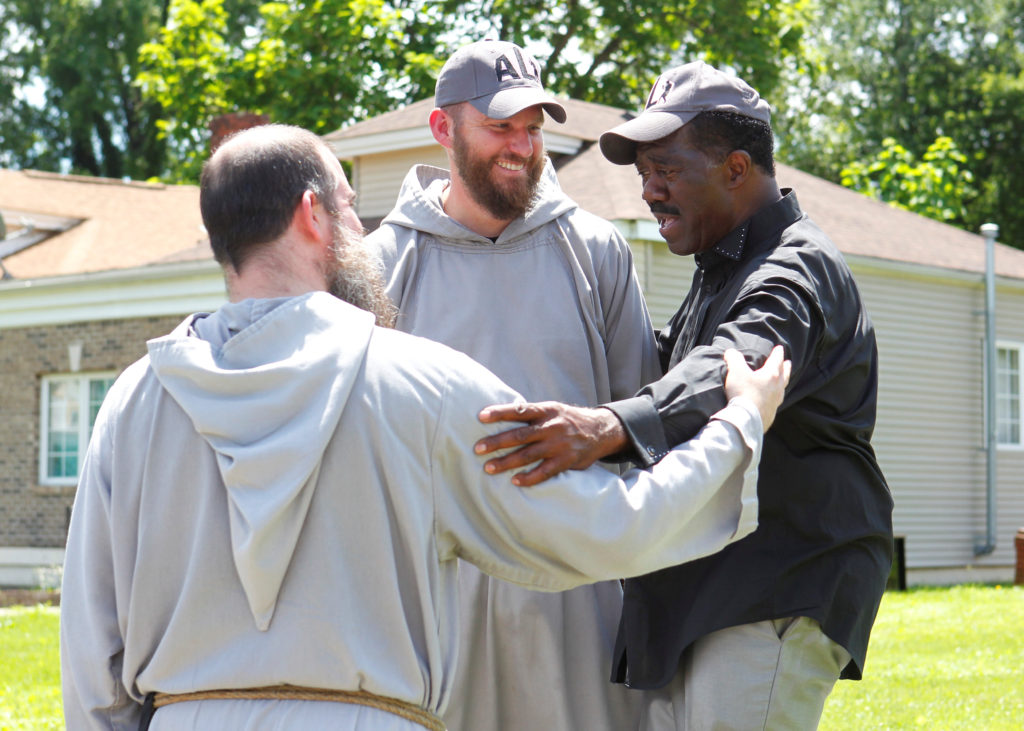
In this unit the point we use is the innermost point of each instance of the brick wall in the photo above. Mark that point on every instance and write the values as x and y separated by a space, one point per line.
33 515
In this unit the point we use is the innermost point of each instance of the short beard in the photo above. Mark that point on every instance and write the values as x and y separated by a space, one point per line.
504 203
355 275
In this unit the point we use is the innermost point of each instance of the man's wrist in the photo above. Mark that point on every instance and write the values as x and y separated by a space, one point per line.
612 438
641 425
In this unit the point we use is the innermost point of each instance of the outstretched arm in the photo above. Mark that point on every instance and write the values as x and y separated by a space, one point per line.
563 437
590 525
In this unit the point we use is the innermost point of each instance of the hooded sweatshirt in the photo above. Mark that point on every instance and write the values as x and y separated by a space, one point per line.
553 307
278 492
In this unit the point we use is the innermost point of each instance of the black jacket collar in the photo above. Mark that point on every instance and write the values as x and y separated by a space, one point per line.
754 231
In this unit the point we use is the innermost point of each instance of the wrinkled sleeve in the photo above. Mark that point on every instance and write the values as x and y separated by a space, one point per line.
91 643
590 525
673 409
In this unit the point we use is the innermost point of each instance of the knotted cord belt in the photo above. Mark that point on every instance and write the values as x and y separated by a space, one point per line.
299 693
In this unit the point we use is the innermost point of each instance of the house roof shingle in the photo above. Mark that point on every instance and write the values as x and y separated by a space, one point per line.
122 224
408 117
862 226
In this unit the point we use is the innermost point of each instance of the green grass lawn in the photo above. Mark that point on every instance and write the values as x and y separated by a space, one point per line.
939 659
30 669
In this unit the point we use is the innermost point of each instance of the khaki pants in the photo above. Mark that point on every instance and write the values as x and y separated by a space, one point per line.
772 676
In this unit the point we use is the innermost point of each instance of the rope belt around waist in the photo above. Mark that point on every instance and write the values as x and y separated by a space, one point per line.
298 693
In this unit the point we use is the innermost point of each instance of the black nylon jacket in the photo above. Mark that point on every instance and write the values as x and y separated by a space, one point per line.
823 546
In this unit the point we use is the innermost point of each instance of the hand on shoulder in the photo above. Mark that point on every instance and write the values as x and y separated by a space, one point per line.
765 387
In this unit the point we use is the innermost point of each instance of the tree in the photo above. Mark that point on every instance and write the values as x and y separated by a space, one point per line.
936 186
295 63
128 87
324 63
66 86
610 51
915 70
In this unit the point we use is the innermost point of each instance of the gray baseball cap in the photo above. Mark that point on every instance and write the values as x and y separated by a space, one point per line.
678 96
498 78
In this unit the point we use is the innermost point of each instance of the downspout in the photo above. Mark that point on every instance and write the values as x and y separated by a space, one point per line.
990 231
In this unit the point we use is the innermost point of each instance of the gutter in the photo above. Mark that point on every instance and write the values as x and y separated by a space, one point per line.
990 231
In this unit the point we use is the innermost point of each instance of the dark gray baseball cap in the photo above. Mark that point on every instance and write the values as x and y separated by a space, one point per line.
678 96
498 78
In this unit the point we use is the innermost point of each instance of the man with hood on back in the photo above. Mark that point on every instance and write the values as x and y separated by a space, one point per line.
493 259
273 499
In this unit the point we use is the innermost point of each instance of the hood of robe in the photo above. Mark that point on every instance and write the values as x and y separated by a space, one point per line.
419 206
264 382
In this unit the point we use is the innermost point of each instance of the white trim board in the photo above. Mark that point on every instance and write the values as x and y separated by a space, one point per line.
152 291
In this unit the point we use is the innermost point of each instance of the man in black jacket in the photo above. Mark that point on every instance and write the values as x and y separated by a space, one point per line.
754 636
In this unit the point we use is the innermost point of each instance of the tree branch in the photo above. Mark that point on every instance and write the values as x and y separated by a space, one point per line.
606 53
559 42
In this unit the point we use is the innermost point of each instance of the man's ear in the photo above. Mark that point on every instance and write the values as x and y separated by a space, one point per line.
442 126
310 216
737 168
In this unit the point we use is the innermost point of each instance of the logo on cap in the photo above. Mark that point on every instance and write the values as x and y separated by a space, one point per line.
666 86
503 67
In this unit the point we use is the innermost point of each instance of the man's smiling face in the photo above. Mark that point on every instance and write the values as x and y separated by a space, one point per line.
687 192
500 160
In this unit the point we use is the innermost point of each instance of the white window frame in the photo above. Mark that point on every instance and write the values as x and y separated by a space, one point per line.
85 423
1001 396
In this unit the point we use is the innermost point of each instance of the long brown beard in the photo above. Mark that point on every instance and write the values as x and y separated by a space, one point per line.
355 275
503 202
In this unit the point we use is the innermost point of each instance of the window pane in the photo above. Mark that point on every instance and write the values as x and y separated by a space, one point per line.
62 437
1008 426
63 454
98 388
72 404
63 405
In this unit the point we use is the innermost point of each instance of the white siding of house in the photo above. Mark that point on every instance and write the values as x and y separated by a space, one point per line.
378 183
666 280
929 437
1010 463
